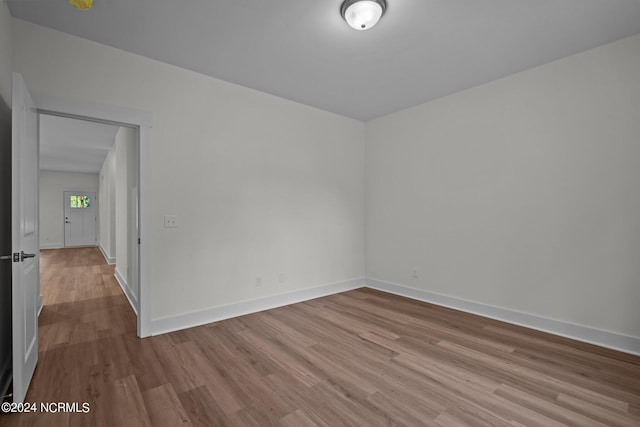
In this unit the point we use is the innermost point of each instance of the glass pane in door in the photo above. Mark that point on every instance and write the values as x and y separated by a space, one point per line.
79 202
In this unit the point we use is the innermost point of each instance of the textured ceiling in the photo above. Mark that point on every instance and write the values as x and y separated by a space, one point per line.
72 145
302 50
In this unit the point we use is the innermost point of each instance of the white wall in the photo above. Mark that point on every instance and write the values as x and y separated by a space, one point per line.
52 186
107 207
125 180
5 52
121 201
521 193
118 178
260 185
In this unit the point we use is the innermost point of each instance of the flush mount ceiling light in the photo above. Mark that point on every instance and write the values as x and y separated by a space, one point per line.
363 14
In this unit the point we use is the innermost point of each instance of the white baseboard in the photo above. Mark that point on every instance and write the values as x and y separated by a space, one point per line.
215 314
625 343
106 256
51 246
133 300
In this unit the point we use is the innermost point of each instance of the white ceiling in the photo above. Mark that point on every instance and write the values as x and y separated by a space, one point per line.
302 49
72 145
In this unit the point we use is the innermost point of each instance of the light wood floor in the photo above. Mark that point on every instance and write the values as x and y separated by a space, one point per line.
361 358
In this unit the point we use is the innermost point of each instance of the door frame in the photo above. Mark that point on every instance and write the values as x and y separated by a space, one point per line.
97 207
143 121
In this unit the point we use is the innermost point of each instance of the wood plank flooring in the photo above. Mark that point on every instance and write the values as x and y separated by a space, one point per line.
360 358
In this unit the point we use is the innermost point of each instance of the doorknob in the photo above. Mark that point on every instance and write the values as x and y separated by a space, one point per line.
23 255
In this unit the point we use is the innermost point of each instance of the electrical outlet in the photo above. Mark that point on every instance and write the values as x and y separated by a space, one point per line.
258 281
170 221
415 273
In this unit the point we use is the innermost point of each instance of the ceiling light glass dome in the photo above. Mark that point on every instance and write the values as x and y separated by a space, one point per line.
363 14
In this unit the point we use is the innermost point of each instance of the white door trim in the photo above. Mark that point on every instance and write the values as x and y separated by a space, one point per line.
143 120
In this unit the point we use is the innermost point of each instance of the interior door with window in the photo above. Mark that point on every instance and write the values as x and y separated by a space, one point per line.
80 218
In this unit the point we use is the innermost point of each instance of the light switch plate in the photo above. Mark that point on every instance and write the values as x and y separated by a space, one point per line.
170 221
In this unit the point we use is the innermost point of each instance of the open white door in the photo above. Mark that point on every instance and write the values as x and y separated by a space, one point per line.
24 238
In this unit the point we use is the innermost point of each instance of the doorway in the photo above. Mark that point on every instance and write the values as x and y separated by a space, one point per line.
80 218
138 242
91 167
25 235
